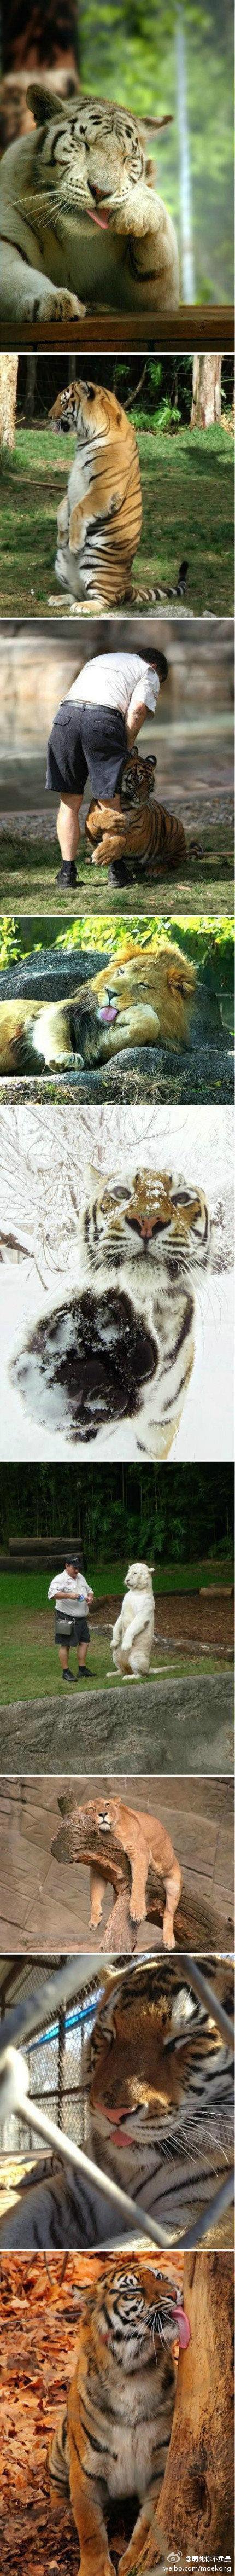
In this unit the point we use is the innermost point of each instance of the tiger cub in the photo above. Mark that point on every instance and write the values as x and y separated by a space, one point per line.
121 1347
113 2440
158 2107
79 217
99 521
142 834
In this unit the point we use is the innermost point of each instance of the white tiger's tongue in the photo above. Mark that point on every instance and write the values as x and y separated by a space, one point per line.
102 220
182 2328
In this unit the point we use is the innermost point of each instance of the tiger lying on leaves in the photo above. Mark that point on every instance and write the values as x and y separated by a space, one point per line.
113 2440
82 173
144 835
138 1000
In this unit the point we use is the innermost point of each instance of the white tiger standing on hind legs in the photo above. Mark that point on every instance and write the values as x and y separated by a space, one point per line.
133 1635
80 219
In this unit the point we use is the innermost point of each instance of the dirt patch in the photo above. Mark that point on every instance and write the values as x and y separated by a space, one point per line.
183 1618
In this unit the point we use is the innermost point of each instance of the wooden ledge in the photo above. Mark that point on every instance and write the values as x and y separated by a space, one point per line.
200 326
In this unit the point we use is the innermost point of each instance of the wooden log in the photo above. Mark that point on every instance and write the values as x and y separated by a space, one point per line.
213 325
196 2507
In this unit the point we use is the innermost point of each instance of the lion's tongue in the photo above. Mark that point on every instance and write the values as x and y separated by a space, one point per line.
182 2328
110 1012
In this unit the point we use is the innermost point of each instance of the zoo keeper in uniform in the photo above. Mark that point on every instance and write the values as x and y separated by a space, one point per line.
72 1597
95 727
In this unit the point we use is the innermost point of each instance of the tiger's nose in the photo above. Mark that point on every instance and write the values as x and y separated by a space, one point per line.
99 192
112 2115
145 1226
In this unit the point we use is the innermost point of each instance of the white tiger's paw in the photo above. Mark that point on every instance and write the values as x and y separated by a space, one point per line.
61 306
139 213
168 1937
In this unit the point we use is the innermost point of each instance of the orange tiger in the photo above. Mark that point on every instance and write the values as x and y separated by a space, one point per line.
145 836
100 517
114 2440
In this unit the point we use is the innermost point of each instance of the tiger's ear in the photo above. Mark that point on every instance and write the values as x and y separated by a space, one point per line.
95 1178
45 104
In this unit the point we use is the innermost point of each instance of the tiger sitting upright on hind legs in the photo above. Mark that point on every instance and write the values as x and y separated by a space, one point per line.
99 519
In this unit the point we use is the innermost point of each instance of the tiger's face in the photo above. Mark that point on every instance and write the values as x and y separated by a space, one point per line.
87 409
150 2049
139 1577
93 154
136 2306
138 777
150 1218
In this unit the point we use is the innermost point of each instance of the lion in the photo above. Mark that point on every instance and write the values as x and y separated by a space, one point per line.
140 1839
139 999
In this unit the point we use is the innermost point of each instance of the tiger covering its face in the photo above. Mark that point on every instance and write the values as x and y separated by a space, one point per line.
141 834
80 218
99 521
120 2405
157 2079
123 1345
139 999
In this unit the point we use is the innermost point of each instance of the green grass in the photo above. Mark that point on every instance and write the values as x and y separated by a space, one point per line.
29 1662
28 872
187 490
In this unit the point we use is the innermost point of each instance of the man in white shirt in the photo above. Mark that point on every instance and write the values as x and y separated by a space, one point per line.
96 725
72 1597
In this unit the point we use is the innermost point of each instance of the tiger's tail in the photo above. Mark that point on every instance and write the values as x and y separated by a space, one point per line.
143 598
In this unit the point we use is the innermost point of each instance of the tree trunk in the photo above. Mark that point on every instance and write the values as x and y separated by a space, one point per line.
206 402
8 393
39 41
187 265
31 377
195 2511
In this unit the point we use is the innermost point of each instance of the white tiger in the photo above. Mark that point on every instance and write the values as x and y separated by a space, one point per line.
80 220
120 1348
133 1634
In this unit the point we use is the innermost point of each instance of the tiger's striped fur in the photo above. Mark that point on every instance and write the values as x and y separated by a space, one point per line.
158 2084
99 521
142 834
122 1346
120 2404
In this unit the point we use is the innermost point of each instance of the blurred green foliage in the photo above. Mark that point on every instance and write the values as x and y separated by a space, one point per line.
182 1517
209 942
130 53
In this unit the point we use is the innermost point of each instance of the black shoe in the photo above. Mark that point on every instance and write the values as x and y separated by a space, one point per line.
118 874
67 876
84 1672
68 1677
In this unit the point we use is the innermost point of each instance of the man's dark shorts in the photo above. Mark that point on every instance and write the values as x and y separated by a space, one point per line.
85 738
